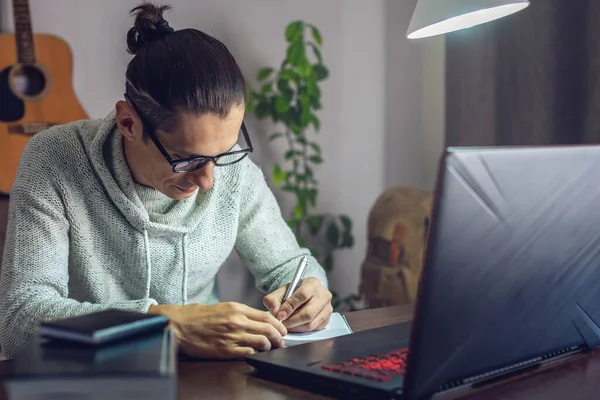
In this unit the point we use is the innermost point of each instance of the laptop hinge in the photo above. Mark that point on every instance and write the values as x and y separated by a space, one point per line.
487 377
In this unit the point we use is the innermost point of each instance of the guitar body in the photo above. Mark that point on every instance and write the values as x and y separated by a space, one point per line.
33 97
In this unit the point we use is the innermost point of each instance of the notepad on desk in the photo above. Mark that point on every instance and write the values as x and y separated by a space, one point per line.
337 326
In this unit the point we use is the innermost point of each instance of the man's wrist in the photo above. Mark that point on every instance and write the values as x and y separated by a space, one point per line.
166 310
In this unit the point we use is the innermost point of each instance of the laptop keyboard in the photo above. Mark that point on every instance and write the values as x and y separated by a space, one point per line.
381 368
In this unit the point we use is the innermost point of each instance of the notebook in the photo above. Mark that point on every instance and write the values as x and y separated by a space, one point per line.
142 367
103 327
337 326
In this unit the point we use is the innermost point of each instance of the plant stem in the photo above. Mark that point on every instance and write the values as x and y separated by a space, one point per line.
292 177
290 140
305 166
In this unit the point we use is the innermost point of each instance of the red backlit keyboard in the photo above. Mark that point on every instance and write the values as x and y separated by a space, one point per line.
380 368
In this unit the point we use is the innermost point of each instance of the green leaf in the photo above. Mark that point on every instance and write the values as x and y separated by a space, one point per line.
292 224
286 117
316 122
347 223
316 159
305 101
311 194
266 88
295 127
304 68
262 109
288 188
309 172
275 136
321 71
296 53
282 105
317 53
301 195
250 104
333 235
289 154
311 88
287 74
328 263
278 174
264 73
294 31
347 240
314 224
315 103
305 117
301 242
283 85
316 35
316 147
298 211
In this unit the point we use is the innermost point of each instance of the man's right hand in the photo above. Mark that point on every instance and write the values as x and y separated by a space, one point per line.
223 330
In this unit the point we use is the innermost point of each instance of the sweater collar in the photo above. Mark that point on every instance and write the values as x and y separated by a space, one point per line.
105 150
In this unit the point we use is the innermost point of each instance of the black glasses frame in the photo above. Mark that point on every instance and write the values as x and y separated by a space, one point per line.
202 160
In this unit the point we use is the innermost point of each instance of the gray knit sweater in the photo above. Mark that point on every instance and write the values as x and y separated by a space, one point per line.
83 237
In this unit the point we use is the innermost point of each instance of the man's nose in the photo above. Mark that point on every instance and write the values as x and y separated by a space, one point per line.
203 178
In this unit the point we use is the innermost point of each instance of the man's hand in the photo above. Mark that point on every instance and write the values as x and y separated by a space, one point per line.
223 330
308 309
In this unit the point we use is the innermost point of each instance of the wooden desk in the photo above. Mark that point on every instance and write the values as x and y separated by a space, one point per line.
234 379
574 379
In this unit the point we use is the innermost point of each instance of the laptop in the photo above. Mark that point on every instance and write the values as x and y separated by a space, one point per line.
510 282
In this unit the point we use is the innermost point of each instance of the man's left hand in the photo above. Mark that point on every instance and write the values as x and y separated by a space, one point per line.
308 309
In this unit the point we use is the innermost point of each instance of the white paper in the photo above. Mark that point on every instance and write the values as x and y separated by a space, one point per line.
337 326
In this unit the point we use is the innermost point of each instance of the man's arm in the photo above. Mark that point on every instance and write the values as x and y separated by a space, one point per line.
34 276
265 241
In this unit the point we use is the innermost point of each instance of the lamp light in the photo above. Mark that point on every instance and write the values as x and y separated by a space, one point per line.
436 17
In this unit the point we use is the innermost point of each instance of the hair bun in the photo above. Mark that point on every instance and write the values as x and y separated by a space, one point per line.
149 26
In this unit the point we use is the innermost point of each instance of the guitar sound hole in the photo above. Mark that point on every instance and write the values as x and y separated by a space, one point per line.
28 80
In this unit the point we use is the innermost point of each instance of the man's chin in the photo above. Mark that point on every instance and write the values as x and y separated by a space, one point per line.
178 193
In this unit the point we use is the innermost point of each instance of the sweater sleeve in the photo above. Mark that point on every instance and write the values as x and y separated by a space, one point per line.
264 240
35 269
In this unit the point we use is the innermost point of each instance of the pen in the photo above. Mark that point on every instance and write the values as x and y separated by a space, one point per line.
296 280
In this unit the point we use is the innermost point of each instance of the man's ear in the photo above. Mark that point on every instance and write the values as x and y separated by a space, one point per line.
127 121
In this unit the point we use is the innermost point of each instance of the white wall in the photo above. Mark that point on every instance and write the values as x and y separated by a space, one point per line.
414 101
372 122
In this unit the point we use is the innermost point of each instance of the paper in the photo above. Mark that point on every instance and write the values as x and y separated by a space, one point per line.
337 326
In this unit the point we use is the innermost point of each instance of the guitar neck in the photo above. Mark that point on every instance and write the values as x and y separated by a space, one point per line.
23 32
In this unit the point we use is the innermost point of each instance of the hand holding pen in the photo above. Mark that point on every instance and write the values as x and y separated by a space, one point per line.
303 305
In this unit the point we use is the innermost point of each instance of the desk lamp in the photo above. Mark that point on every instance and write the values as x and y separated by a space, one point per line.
436 17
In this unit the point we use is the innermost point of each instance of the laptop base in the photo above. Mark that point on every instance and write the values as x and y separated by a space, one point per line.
300 366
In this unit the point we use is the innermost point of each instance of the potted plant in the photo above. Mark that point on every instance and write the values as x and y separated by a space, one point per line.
290 96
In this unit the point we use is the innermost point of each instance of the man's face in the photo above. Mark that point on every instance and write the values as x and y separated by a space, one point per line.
207 135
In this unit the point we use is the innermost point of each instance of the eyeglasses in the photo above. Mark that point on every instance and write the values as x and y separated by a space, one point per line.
190 164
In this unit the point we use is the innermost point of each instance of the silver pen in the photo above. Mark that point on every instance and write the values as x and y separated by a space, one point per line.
297 279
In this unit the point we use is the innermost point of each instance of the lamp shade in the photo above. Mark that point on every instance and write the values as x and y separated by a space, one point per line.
436 17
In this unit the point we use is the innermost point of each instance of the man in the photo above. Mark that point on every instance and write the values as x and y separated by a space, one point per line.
139 210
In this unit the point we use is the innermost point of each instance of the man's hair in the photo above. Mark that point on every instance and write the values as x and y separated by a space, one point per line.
178 71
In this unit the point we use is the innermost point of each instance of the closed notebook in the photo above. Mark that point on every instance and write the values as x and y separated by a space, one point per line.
337 326
141 367
103 327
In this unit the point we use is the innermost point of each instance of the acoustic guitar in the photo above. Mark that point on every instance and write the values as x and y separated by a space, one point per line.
36 89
